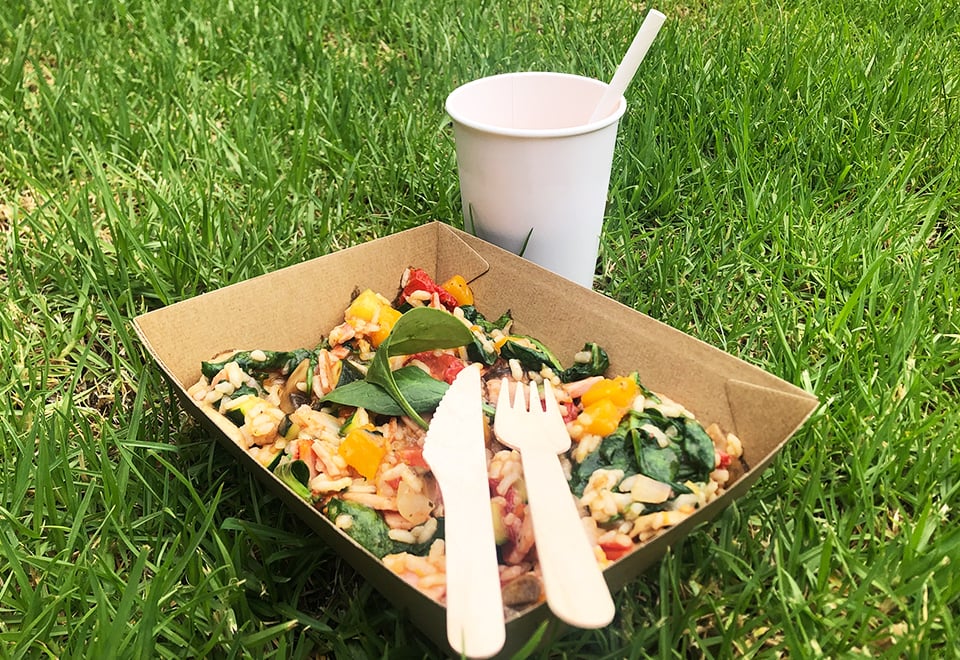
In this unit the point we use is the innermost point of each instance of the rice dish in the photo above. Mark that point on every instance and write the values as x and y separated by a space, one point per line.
343 424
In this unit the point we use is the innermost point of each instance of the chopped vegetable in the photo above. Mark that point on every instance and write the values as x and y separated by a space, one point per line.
258 362
294 393
532 354
595 363
621 391
442 366
240 406
418 280
363 451
365 307
600 418
525 590
385 322
359 419
290 431
605 404
363 524
647 490
371 309
457 287
295 474
499 528
345 371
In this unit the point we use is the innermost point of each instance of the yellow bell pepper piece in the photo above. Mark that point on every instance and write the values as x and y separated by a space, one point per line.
363 451
365 307
621 390
600 418
387 319
372 308
457 287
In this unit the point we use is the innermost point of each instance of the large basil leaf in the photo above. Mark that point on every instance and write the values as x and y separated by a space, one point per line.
420 329
422 392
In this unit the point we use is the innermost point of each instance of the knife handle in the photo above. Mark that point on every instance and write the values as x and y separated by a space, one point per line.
475 625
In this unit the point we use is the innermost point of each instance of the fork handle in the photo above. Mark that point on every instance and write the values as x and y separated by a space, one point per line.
575 587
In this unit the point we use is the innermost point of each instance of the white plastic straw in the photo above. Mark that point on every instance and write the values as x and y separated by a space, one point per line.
628 67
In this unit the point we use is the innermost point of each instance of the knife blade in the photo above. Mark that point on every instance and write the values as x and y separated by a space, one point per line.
454 450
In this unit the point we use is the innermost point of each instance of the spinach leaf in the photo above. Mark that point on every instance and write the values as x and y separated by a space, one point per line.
477 353
660 463
421 391
473 315
688 456
243 390
295 474
614 453
597 365
420 329
367 527
698 449
531 353
284 361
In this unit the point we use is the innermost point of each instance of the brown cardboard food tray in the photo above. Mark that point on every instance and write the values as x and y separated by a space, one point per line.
763 410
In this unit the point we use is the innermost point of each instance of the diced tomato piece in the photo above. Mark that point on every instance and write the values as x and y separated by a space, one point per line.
442 366
419 280
725 460
412 455
450 373
615 550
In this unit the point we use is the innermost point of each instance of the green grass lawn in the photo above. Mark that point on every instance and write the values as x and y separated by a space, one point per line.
786 187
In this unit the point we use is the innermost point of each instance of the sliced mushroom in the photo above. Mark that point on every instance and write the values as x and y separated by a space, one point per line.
292 396
525 590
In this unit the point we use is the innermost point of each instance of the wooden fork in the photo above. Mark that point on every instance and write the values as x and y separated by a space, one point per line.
576 590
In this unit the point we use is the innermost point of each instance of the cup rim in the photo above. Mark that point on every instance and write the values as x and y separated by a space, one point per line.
581 129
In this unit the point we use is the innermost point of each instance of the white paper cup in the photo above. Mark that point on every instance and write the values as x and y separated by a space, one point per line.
534 172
